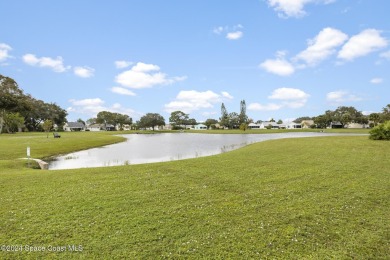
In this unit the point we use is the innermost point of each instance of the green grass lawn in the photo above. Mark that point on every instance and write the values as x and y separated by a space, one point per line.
308 198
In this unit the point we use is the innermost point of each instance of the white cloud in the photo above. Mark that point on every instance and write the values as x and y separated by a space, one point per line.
322 46
234 35
362 44
340 96
192 100
56 64
226 95
121 64
144 75
122 91
267 107
87 102
92 106
289 97
231 33
288 94
293 8
376 81
385 55
84 72
278 66
4 49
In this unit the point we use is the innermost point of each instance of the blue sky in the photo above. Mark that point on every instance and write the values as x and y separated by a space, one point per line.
285 58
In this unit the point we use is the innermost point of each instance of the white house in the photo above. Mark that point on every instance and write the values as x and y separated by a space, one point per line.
74 126
200 127
356 125
254 126
266 125
293 125
96 127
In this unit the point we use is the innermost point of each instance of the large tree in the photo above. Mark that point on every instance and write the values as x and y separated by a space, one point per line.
224 119
106 117
243 118
375 118
13 122
10 96
179 118
386 113
209 122
37 111
151 120
234 120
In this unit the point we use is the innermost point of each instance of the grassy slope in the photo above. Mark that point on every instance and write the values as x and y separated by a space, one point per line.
295 198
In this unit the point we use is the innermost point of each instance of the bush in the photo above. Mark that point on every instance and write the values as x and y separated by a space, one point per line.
381 132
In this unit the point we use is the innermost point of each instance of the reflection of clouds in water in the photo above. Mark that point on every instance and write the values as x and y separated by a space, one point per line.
143 148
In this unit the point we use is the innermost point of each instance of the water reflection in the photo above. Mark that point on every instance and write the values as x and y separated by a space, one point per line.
144 148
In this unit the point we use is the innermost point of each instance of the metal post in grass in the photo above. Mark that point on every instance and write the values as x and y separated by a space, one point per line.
28 156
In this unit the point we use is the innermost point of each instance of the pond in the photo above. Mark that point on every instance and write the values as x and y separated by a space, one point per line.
148 148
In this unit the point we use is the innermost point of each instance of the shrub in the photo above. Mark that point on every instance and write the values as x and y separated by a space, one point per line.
381 132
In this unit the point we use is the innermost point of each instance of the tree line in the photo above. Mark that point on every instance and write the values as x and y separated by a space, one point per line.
347 115
19 110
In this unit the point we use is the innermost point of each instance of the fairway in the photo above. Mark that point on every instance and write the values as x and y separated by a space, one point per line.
309 198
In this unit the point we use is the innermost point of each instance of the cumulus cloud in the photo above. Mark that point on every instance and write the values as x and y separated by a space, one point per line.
340 96
144 75
279 66
192 100
267 107
231 33
362 44
288 97
322 46
291 97
56 64
234 35
84 72
4 52
226 95
121 64
122 91
87 102
293 8
376 81
92 106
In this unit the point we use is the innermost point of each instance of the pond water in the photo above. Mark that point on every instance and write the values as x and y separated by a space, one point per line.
148 148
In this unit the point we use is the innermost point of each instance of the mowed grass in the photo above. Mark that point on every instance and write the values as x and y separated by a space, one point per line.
309 198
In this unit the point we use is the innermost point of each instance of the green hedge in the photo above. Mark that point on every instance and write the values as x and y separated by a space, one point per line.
381 132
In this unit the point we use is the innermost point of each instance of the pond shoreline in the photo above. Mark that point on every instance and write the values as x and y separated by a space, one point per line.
140 149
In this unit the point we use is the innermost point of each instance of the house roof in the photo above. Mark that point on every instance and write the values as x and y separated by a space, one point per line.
270 123
75 125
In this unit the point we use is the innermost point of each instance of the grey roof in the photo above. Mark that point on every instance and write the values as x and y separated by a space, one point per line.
75 125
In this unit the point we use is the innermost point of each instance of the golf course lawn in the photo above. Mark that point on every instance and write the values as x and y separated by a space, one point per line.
306 198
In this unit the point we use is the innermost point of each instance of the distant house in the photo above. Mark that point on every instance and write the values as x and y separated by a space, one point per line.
356 125
253 126
96 127
200 127
336 125
294 126
167 127
271 125
110 127
74 126
307 123
125 127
